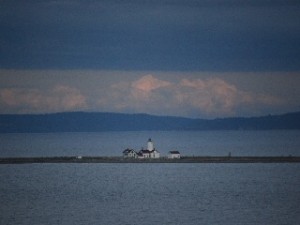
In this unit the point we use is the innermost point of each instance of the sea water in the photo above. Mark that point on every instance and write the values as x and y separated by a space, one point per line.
202 143
147 194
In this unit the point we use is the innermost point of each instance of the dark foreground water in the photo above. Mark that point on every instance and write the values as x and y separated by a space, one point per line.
147 194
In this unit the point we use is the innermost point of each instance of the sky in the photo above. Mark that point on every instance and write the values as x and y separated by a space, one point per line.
192 58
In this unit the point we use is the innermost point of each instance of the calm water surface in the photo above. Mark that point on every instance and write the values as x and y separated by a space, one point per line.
213 143
147 194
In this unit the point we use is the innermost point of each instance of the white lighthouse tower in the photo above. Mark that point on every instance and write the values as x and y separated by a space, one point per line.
150 152
153 152
150 145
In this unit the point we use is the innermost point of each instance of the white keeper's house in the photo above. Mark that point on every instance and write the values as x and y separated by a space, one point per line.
174 155
129 153
150 152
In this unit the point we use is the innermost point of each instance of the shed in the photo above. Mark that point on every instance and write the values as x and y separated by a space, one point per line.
174 155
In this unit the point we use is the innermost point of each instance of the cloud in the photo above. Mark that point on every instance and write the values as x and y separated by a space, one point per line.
146 94
171 94
148 90
68 97
210 97
60 98
216 97
149 83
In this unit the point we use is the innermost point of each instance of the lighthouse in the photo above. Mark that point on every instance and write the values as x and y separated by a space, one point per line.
150 152
150 145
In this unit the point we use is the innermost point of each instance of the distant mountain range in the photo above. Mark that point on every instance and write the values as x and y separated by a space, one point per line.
97 122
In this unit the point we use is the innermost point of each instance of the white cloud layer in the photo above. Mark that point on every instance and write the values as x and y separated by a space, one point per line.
179 94
206 97
60 98
149 83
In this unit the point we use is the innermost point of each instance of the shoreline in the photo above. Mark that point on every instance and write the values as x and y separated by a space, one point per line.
184 159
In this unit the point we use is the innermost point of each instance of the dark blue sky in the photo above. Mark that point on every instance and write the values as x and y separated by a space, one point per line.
210 35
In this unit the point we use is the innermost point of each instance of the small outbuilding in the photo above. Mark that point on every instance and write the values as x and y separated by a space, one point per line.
174 155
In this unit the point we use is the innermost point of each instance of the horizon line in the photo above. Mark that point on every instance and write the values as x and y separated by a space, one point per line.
142 113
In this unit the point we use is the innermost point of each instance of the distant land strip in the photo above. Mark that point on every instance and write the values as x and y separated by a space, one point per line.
186 159
99 122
